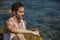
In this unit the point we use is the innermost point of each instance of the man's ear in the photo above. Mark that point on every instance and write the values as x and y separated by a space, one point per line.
13 12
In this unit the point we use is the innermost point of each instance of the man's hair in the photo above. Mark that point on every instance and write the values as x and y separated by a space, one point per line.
17 5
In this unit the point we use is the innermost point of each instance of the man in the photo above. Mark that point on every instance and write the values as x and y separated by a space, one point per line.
15 26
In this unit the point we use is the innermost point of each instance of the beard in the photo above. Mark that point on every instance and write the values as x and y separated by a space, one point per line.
19 17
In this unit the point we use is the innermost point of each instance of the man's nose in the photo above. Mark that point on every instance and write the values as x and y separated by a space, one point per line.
22 14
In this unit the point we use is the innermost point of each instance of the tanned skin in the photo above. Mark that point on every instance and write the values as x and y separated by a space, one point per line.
18 15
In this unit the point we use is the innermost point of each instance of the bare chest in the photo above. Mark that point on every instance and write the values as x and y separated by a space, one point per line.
20 25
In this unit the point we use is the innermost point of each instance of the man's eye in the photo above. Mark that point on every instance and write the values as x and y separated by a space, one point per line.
21 11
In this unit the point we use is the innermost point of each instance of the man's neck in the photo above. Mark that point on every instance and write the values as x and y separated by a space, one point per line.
16 19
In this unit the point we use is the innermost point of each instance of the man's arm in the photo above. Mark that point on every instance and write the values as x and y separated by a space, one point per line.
10 26
13 29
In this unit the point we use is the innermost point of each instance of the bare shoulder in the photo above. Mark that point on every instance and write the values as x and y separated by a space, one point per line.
9 21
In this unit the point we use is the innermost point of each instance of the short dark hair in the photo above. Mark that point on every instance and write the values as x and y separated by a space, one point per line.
17 5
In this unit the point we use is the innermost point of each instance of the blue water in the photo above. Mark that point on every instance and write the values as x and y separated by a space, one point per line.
45 14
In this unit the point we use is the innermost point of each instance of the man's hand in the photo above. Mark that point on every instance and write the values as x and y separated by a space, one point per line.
36 33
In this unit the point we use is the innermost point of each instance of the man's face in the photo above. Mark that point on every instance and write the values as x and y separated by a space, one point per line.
20 13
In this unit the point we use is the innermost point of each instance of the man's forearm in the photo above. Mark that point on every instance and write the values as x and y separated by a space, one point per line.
21 31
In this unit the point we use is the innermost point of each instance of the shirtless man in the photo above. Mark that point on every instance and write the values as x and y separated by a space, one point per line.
16 20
